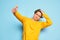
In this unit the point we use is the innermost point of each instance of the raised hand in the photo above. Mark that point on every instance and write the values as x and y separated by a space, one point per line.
14 9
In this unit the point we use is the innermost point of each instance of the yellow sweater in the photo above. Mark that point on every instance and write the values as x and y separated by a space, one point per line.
31 29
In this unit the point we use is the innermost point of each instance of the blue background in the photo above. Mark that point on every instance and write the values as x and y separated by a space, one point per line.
11 28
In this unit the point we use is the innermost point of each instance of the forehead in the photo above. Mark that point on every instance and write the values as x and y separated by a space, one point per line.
38 13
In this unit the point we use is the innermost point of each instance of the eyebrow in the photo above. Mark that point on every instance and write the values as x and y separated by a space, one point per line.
38 15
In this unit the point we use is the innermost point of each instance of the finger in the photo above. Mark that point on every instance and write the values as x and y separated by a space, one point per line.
16 7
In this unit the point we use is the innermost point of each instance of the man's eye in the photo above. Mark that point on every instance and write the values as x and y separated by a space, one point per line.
35 14
38 15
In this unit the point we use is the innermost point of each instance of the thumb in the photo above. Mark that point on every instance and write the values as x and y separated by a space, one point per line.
16 7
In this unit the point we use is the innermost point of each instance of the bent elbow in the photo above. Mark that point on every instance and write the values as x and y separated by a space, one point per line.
50 23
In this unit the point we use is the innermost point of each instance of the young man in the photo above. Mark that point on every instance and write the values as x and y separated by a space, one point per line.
32 26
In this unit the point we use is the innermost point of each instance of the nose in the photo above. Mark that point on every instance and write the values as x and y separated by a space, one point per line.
37 17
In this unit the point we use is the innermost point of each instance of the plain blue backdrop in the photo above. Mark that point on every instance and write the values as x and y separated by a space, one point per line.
11 28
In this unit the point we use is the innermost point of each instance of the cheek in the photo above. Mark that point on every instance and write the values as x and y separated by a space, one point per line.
38 17
35 16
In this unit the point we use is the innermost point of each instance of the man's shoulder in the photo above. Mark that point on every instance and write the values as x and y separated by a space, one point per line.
27 18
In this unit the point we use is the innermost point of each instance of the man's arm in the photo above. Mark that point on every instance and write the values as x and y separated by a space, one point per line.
17 14
48 21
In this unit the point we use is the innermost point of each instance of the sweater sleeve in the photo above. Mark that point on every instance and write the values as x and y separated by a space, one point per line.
19 16
48 21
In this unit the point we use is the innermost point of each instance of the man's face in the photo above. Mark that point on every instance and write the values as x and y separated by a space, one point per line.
37 16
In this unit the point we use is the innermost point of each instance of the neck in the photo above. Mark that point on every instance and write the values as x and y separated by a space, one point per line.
34 19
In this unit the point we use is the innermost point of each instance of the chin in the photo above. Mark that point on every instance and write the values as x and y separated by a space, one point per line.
36 20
